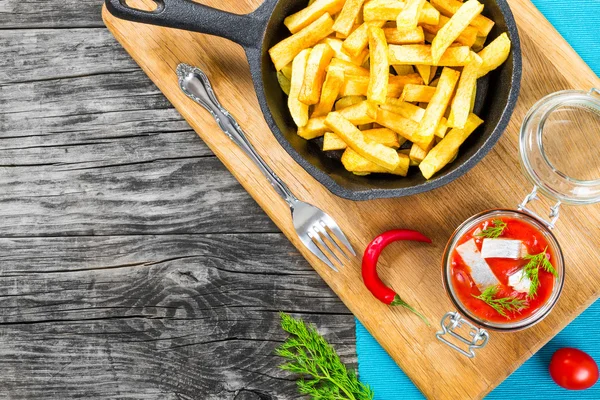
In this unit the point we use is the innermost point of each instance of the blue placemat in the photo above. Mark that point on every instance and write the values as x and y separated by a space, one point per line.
578 21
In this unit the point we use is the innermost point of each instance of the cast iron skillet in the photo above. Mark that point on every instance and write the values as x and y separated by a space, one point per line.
260 30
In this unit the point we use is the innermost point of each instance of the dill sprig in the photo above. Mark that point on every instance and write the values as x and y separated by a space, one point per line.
532 270
493 232
323 375
502 305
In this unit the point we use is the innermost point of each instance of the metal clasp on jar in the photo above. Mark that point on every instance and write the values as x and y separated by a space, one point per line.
554 210
477 339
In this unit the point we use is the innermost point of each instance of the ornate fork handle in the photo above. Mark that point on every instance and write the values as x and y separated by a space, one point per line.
195 84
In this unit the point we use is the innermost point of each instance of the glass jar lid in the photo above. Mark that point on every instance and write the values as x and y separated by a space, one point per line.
560 146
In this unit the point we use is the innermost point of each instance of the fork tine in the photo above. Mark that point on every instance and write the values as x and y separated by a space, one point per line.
325 233
320 231
338 233
317 252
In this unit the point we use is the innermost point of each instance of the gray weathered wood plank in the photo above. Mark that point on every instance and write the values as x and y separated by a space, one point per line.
155 317
55 14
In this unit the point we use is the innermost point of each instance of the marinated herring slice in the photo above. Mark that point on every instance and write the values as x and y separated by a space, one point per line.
503 248
520 281
480 270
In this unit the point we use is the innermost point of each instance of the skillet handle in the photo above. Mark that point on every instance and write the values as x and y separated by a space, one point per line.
245 30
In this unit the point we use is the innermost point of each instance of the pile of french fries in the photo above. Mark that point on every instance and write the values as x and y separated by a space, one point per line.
390 82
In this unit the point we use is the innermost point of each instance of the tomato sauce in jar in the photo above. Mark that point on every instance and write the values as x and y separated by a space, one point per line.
466 288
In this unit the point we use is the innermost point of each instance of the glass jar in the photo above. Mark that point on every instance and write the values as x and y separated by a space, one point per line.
560 154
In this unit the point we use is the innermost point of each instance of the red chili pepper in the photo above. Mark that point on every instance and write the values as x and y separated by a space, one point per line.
369 266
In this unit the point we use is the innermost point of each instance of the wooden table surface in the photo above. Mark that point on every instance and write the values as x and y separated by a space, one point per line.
132 264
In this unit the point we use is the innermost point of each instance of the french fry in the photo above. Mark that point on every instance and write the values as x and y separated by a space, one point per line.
405 127
284 82
403 69
384 136
336 45
494 54
358 40
298 110
348 101
449 7
417 93
479 43
361 113
412 36
409 16
388 10
425 72
359 165
445 151
374 152
380 66
348 67
413 112
414 54
331 88
417 154
461 104
310 14
453 28
359 85
467 37
437 106
285 51
344 22
287 71
316 68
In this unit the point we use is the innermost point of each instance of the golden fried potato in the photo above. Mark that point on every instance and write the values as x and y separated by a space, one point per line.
336 45
374 152
384 136
452 30
411 36
298 109
403 69
345 21
284 82
425 72
414 54
361 113
449 7
409 16
316 68
287 71
359 85
494 54
285 51
310 14
359 165
467 37
467 85
388 10
358 40
329 93
348 67
417 93
446 150
348 101
479 43
380 66
438 105
405 127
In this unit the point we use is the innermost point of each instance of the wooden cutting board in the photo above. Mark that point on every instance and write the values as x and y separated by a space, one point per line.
549 64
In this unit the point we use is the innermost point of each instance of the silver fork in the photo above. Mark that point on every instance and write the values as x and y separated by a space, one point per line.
317 230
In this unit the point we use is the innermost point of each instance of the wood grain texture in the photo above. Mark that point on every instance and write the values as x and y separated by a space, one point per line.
413 270
156 317
132 264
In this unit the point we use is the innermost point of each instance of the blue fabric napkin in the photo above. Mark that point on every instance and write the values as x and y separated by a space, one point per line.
578 21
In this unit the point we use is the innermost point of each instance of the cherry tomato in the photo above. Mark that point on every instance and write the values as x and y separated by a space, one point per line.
573 369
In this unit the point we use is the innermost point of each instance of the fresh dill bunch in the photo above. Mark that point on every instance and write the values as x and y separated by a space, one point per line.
323 375
502 305
493 232
532 270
